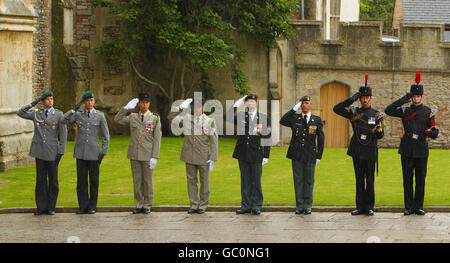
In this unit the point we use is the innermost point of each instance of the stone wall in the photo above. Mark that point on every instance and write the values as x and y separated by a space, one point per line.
391 67
16 60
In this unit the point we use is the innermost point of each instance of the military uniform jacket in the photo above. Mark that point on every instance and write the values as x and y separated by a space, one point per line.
87 146
250 133
363 144
416 121
200 138
50 133
145 136
303 146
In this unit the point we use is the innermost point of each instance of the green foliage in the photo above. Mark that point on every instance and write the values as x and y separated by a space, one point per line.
201 32
378 9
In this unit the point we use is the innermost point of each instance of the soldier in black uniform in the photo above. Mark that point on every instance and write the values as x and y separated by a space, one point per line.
418 124
252 150
367 130
304 151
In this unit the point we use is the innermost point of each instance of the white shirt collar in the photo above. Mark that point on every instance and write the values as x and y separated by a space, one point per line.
252 114
308 116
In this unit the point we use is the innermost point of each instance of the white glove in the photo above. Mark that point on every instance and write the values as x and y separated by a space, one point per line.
185 104
297 106
153 162
265 160
239 102
317 161
211 164
131 104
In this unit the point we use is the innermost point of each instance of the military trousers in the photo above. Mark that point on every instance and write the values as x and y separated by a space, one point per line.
87 184
47 187
365 183
192 182
143 183
251 190
303 184
414 167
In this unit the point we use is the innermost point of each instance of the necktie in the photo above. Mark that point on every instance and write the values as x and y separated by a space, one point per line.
142 117
305 120
46 113
88 114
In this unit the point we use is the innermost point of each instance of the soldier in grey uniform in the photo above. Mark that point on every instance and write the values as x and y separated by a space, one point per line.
199 152
47 147
91 123
143 150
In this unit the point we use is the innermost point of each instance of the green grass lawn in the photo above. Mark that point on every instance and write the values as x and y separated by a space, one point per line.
334 184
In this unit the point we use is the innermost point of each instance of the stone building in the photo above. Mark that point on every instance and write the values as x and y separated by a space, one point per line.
326 59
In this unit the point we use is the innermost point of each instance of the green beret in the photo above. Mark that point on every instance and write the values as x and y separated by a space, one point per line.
88 95
46 94
305 98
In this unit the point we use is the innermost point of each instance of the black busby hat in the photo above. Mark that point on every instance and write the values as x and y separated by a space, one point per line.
365 90
251 97
417 89
46 94
88 95
144 96
305 98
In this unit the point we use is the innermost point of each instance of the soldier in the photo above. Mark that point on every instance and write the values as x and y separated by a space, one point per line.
91 123
367 130
199 152
418 124
47 147
307 129
252 150
143 150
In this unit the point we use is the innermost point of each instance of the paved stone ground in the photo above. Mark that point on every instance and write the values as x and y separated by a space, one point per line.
269 227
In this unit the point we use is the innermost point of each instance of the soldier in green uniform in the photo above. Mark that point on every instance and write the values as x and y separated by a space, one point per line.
91 123
47 147
252 151
143 150
199 152
305 150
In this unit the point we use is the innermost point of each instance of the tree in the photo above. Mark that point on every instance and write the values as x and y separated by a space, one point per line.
193 35
378 9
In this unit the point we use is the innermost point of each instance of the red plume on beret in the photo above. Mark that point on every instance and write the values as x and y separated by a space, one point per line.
366 77
417 78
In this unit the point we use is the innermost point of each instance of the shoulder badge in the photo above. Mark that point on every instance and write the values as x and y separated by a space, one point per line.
433 112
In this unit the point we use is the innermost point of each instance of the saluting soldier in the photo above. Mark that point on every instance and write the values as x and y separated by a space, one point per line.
418 124
90 123
305 150
252 150
47 147
367 130
199 152
143 150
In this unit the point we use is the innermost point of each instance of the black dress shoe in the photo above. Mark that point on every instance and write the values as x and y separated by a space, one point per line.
357 212
308 211
91 211
192 211
200 211
256 212
370 212
407 212
51 213
242 211
38 213
298 212
80 212
420 212
146 210
137 211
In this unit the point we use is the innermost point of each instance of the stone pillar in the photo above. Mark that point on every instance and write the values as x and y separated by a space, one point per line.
16 59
